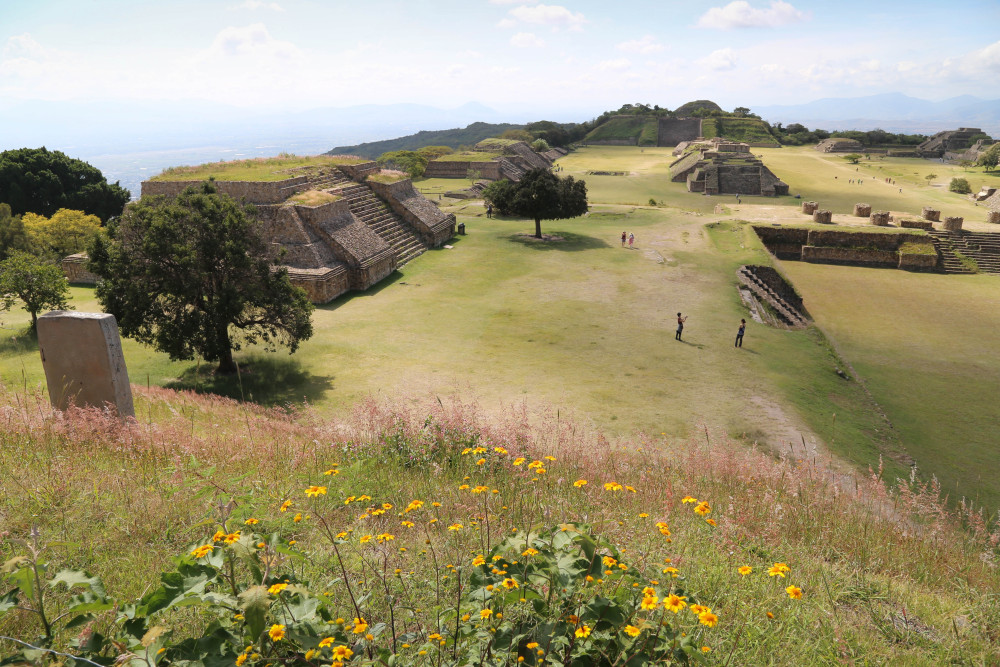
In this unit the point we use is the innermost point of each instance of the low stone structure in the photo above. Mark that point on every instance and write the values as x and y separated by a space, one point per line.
931 214
839 145
857 248
74 267
952 223
993 217
809 207
862 210
948 141
518 157
460 169
725 167
673 131
879 218
434 226
821 216
916 224
83 361
765 284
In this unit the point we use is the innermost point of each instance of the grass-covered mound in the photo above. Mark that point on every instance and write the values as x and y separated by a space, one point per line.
438 535
254 169
748 130
641 130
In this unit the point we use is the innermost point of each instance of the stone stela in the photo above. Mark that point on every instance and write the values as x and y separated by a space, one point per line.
83 361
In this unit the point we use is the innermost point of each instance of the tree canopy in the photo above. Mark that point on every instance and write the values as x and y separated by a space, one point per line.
12 234
193 275
540 195
990 158
65 233
37 180
39 285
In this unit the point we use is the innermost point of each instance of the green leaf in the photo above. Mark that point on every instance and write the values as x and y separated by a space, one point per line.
74 578
9 600
254 603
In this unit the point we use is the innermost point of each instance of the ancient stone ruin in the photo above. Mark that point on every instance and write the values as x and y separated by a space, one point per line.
809 207
931 214
727 168
673 131
993 217
518 157
340 228
862 210
770 298
856 248
952 223
949 141
879 218
824 217
839 145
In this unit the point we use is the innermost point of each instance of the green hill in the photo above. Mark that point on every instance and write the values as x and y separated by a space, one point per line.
640 130
750 130
453 138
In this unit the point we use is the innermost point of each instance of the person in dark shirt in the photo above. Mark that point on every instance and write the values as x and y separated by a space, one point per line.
739 334
680 326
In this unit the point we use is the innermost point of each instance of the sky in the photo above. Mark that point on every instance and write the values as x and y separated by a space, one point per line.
568 61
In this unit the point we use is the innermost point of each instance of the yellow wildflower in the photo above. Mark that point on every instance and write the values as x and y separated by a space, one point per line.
583 631
580 483
674 603
277 632
745 570
794 592
202 551
360 626
631 630
276 588
314 491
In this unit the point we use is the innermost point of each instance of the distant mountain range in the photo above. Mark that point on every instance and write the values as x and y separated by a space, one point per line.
893 112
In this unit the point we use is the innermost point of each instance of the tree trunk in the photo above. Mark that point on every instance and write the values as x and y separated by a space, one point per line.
538 228
227 366
34 321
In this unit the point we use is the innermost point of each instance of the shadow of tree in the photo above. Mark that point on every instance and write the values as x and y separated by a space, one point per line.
558 240
19 342
266 380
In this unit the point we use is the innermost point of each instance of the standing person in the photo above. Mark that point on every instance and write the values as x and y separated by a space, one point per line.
680 326
631 240
739 334
624 236
489 210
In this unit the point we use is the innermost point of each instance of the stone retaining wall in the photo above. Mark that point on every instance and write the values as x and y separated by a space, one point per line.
862 210
879 218
993 217
459 169
809 207
824 217
74 268
433 225
770 277
931 214
254 192
322 285
826 255
952 224
672 131
359 172
916 224
917 262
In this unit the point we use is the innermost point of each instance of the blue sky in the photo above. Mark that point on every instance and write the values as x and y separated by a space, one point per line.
570 59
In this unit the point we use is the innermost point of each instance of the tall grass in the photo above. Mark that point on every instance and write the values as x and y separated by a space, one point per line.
888 572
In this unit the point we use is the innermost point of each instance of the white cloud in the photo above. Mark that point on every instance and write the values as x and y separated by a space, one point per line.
720 60
646 45
556 16
526 40
252 42
739 14
616 65
258 4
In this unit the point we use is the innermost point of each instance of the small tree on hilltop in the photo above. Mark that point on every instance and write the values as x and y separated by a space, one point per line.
193 275
540 195
853 158
39 285
990 158
929 178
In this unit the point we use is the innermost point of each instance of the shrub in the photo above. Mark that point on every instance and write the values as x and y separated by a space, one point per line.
960 185
539 145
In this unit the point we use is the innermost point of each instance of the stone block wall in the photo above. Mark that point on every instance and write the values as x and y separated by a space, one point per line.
993 217
914 262
879 218
836 238
359 172
322 285
821 216
254 192
827 255
459 169
916 224
74 268
770 277
809 207
952 224
931 214
672 131
862 210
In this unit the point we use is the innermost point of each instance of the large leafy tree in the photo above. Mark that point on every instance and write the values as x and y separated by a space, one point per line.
12 234
193 275
540 195
65 233
39 285
41 181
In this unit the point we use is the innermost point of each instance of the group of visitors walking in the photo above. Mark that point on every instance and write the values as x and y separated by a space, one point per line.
630 238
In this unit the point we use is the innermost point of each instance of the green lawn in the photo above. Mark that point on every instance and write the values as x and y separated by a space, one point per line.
254 169
924 345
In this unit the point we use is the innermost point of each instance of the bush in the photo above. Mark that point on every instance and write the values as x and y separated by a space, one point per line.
539 145
960 185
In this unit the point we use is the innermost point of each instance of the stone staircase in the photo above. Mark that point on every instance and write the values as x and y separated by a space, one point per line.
787 313
983 247
510 169
374 213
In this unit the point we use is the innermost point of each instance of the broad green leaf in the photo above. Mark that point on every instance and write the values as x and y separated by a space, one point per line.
255 602
74 578
8 600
